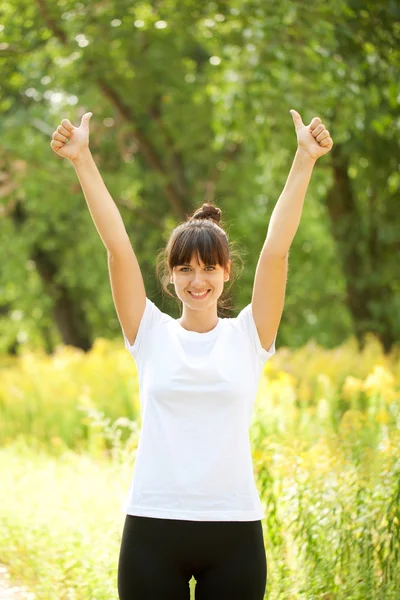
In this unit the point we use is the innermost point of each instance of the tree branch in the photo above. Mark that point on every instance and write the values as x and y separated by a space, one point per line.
127 112
142 214
176 156
150 154
50 22
211 182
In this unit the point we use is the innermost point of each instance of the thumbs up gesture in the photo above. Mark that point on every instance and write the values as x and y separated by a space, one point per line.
313 138
69 141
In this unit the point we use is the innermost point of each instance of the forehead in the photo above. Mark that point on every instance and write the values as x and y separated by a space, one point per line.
193 263
197 260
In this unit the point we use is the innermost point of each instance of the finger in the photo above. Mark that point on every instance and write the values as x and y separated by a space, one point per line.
297 120
319 129
314 123
324 134
327 142
60 138
67 124
56 145
63 131
85 120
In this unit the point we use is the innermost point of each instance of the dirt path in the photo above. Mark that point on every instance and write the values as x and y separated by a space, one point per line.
9 591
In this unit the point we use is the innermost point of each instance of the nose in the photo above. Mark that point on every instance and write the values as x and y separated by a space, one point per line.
198 280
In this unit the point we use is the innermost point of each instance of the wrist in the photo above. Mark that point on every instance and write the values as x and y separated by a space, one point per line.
305 157
82 157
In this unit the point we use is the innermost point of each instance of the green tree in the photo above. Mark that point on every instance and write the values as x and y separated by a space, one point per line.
191 103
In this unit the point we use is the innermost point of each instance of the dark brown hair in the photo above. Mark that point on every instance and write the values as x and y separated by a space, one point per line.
203 237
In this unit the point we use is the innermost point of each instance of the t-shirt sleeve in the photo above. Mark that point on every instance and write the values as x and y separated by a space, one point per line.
151 317
246 321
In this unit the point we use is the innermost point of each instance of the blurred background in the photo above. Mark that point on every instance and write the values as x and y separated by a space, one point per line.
190 104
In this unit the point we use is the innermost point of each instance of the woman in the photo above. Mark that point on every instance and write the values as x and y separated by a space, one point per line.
192 508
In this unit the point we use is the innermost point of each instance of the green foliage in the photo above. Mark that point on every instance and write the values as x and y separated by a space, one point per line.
191 103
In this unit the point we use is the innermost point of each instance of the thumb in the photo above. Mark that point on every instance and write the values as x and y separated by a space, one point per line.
85 120
297 120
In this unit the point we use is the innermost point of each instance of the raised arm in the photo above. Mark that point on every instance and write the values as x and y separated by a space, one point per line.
271 274
126 279
73 143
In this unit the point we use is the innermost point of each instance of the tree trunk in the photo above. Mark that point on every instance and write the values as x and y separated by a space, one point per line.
69 316
359 257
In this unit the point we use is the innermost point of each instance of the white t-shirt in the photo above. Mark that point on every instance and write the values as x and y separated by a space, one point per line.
197 393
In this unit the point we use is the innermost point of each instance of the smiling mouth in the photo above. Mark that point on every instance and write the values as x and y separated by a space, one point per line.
201 296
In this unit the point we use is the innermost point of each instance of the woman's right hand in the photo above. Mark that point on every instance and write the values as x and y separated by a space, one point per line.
78 138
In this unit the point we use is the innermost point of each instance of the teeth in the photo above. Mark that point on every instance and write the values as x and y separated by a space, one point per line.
201 294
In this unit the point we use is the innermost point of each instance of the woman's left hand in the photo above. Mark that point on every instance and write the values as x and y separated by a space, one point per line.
313 138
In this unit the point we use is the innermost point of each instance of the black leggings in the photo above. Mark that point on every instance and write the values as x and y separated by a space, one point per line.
159 556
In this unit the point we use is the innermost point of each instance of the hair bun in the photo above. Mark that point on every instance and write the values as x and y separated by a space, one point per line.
208 211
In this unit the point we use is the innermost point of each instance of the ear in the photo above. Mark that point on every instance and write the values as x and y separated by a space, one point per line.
228 270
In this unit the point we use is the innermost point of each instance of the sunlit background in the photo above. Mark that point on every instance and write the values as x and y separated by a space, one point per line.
190 104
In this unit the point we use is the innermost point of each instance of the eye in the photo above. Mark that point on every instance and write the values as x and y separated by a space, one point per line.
208 267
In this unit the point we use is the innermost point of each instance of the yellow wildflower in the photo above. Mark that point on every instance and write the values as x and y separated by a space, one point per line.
352 386
380 381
